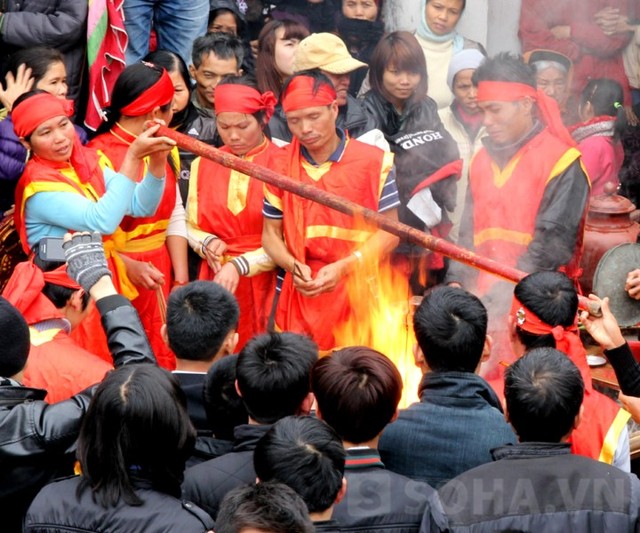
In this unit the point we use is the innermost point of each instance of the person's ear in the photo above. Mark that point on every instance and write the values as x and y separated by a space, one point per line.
230 342
395 416
486 349
527 104
75 300
334 108
306 405
25 143
163 334
238 388
342 492
578 419
192 71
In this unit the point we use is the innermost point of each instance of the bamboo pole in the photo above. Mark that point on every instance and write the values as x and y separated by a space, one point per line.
405 232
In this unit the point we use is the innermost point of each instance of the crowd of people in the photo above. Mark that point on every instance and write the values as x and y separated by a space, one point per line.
170 358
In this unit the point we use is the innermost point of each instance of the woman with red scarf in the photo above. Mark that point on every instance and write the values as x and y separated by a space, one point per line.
154 248
224 206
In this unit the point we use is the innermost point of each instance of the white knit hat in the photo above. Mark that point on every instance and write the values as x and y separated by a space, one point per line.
468 58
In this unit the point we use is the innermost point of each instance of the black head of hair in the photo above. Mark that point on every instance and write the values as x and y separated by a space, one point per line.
505 67
224 407
14 339
200 316
37 58
272 507
171 62
544 391
273 373
222 45
358 390
131 83
552 297
307 455
136 425
606 98
451 328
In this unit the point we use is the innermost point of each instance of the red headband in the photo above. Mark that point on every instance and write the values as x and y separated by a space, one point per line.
242 99
60 277
506 91
530 322
159 94
35 110
300 94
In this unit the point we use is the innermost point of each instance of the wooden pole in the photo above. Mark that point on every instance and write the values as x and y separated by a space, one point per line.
405 232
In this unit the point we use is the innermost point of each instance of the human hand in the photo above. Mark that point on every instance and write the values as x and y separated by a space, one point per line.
604 329
631 404
330 275
86 262
607 19
561 32
632 285
147 144
303 280
144 274
19 84
228 276
213 251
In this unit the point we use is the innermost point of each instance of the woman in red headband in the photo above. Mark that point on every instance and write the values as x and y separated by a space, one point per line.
154 246
224 207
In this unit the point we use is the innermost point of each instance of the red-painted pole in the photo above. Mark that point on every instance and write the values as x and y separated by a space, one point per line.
435 244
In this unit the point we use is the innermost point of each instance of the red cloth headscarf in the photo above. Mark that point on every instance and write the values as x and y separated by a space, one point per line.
159 94
39 108
242 99
567 338
24 291
300 94
506 91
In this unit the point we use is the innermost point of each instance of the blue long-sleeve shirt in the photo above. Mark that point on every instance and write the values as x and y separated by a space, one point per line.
52 214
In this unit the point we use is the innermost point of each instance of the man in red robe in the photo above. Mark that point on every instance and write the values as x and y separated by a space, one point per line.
318 247
528 190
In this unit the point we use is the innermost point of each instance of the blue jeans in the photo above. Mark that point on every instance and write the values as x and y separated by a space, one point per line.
177 23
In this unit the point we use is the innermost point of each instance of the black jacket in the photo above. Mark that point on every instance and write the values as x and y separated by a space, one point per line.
207 483
422 146
537 487
378 500
57 508
60 24
351 117
38 440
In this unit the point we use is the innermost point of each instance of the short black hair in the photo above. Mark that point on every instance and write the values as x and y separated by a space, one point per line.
272 507
200 315
14 339
273 373
505 67
451 327
223 45
136 424
222 403
307 455
543 391
358 390
552 297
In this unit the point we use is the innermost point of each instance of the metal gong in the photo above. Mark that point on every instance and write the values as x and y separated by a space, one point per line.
610 278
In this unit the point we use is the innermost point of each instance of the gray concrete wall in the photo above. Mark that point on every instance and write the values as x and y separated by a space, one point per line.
494 23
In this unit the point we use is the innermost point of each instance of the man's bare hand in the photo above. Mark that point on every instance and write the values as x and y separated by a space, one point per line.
632 285
604 329
228 277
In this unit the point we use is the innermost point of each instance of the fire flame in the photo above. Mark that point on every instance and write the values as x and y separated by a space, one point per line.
382 320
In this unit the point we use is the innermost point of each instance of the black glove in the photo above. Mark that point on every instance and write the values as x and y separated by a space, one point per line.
86 262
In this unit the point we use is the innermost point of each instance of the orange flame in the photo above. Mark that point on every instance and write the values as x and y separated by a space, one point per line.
382 320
